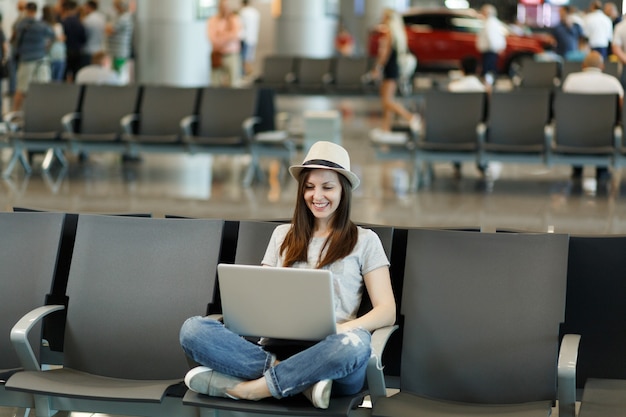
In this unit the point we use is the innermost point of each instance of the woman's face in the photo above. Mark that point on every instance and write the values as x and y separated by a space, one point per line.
322 193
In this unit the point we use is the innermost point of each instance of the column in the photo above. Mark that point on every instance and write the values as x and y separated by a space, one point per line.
307 28
172 45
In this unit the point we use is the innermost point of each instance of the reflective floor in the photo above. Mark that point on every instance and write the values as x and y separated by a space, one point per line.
520 197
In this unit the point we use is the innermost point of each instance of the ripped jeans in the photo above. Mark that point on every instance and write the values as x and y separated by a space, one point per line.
341 357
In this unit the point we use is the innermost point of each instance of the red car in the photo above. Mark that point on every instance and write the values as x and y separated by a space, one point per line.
441 38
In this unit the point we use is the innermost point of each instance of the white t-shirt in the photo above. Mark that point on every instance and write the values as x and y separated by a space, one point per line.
367 255
491 38
250 20
96 74
598 28
592 81
94 24
467 84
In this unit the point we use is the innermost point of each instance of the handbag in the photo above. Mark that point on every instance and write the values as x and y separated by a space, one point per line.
4 69
407 64
216 59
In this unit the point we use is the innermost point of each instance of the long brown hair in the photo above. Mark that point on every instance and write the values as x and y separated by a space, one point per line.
343 235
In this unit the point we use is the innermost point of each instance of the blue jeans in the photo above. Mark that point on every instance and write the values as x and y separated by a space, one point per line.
341 357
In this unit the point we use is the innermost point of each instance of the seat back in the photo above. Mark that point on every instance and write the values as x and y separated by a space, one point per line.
46 104
276 68
452 118
132 284
612 68
311 72
538 74
349 70
482 314
29 247
585 121
595 309
569 67
507 125
104 106
162 108
223 110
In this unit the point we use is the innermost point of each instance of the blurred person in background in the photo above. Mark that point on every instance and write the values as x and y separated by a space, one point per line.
598 28
223 30
490 42
57 52
567 32
120 36
94 22
250 21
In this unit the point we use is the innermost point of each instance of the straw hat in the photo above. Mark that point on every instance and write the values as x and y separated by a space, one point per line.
327 155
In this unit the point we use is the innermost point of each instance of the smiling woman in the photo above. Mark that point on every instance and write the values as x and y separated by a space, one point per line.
320 236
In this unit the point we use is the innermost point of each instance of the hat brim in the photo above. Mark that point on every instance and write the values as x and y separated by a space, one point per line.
295 170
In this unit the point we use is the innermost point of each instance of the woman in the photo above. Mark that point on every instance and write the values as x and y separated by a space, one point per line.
321 235
57 51
223 30
392 43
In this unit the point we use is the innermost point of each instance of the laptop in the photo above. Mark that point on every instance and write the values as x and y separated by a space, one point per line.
283 303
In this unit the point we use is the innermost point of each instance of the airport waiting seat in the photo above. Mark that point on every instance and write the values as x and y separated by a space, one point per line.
278 72
132 283
612 68
155 127
96 127
349 75
481 326
569 67
585 129
595 309
513 135
313 75
38 127
252 240
224 124
539 74
453 126
29 249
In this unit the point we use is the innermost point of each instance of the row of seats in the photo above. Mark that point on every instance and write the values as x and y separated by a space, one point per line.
550 74
317 75
479 316
134 119
538 126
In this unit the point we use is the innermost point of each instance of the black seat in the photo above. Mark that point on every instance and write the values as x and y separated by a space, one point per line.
446 141
133 282
585 129
39 126
97 126
29 249
513 135
595 309
156 125
481 316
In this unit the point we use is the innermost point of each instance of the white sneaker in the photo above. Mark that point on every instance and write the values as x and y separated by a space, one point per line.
416 123
319 393
206 381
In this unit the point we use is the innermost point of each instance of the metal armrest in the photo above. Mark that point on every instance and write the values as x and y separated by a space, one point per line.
248 127
568 356
68 121
548 131
186 125
127 123
19 335
9 120
617 139
375 375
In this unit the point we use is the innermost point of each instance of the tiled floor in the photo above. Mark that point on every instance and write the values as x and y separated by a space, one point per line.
526 197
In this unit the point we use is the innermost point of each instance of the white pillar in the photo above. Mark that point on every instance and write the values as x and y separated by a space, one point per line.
306 28
172 44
